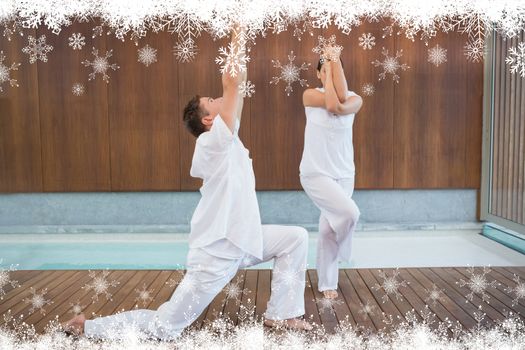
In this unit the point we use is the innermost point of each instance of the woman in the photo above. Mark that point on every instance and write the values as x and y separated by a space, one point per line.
327 167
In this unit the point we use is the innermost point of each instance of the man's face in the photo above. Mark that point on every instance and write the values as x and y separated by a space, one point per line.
212 106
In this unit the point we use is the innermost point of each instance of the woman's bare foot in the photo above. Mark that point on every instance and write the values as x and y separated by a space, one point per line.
330 294
75 326
291 323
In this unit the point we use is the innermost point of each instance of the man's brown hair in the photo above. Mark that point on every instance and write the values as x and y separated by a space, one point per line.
192 116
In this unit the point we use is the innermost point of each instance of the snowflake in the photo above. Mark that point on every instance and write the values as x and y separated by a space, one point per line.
76 41
97 31
367 309
478 284
246 312
516 59
390 285
185 51
390 65
307 27
368 89
474 50
327 305
232 59
519 290
144 296
78 89
100 284
290 73
327 48
175 282
76 308
367 41
37 49
246 89
38 301
147 55
5 279
434 295
234 291
437 55
100 65
4 72
388 31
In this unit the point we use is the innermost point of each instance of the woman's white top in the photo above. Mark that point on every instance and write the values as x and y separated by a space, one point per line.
228 211
328 148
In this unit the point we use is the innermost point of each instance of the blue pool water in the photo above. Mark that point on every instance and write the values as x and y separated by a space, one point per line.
168 251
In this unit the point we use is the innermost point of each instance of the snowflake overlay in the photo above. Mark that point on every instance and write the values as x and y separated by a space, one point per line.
437 55
367 309
76 308
246 89
474 50
518 290
185 50
390 65
4 72
147 55
100 284
144 296
78 89
38 301
327 48
232 59
77 41
289 278
478 284
368 89
5 279
367 41
188 285
100 65
234 291
390 285
327 305
516 59
37 49
434 295
290 73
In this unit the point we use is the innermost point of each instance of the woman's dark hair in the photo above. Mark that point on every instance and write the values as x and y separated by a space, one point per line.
192 116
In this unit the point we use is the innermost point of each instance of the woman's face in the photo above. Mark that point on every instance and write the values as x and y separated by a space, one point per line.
322 74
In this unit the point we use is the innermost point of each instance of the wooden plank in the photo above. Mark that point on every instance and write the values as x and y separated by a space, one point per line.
20 138
422 287
367 298
263 292
358 316
470 306
18 294
53 287
74 129
507 280
231 307
124 299
144 117
95 305
68 298
21 277
249 297
328 318
311 311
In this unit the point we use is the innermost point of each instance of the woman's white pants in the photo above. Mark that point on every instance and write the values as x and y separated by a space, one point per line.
206 276
337 223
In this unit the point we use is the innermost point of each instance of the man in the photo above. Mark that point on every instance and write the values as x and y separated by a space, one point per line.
226 231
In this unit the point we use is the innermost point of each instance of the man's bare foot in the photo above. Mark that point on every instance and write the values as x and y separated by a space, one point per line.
330 294
75 326
291 323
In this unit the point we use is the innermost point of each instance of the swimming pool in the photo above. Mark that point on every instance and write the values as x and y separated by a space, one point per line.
168 251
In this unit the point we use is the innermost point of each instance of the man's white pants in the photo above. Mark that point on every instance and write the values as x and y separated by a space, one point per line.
206 276
337 223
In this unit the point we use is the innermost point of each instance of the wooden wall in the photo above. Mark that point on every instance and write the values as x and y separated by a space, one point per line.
507 165
424 132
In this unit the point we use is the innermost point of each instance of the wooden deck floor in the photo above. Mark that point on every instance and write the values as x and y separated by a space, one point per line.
360 299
